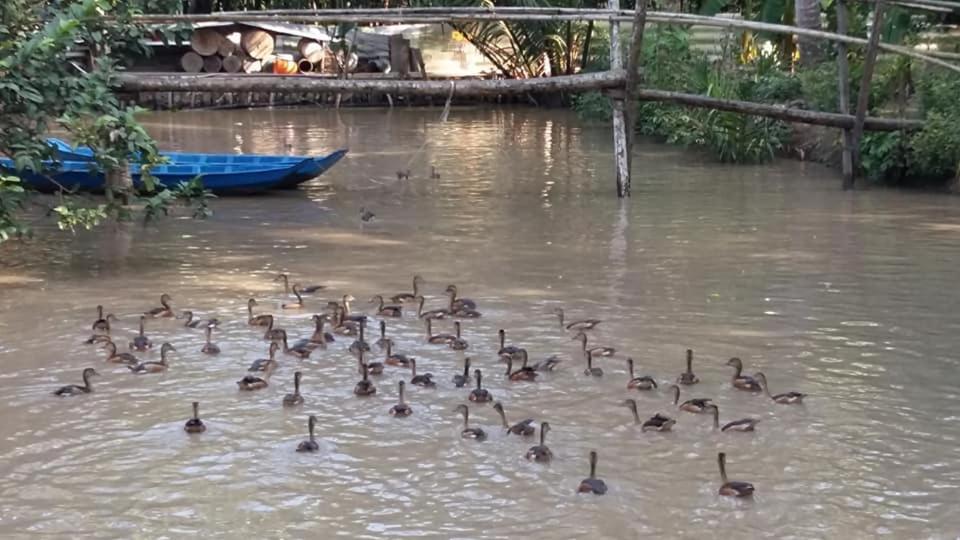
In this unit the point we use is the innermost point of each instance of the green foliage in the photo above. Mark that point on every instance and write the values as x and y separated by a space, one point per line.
70 216
593 105
935 150
191 194
12 198
882 152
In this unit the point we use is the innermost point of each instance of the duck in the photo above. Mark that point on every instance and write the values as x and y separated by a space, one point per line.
366 215
300 350
250 383
742 382
343 326
639 383
98 338
657 422
154 367
373 368
434 174
457 304
295 399
787 398
403 174
382 342
345 312
506 350
401 409
549 364
592 371
271 333
294 305
194 424
320 337
386 310
465 313
695 405
304 289
525 373
458 343
524 428
479 394
262 363
311 444
432 314
541 453
742 425
732 488
256 320
402 298
102 324
461 380
75 389
141 342
399 360
164 310
119 358
437 339
592 484
364 387
209 347
194 323
468 432
425 380
597 351
360 343
687 377
582 324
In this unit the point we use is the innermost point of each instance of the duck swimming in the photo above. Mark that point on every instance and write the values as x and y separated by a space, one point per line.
458 304
597 351
304 289
154 367
583 324
382 342
742 382
102 324
432 314
592 484
373 368
461 380
732 488
257 320
479 394
549 364
294 399
360 343
141 342
541 453
343 326
75 389
250 382
437 339
400 360
639 383
164 310
468 432
524 428
458 343
271 333
209 347
409 297
364 387
742 425
309 445
299 350
696 405
592 371
119 358
687 377
657 422
386 310
194 424
194 323
262 363
506 350
525 373
345 312
320 337
787 398
401 409
425 380
294 305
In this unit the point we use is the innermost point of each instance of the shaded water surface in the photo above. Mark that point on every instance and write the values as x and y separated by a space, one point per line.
847 297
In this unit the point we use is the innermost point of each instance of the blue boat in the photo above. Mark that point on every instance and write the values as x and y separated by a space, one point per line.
65 152
219 178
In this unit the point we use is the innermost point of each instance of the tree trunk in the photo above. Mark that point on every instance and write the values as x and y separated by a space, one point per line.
119 185
807 15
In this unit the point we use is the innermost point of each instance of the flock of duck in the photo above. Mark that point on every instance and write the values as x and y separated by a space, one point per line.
345 323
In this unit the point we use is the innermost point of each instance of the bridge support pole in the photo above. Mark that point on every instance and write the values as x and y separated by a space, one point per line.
843 80
621 151
863 98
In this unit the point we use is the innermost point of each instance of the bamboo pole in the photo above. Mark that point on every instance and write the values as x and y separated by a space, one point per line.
843 81
621 151
863 97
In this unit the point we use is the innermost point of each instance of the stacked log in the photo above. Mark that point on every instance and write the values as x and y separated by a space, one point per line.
212 52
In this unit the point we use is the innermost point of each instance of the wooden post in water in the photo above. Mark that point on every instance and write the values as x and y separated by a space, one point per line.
633 78
620 151
863 98
843 80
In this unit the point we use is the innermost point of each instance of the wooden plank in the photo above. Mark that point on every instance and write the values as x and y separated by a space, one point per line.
863 97
843 81
399 55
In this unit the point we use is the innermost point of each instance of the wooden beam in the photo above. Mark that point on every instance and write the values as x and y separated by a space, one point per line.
863 97
843 82
633 74
621 152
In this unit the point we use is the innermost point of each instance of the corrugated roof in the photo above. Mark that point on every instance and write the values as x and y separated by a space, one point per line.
299 30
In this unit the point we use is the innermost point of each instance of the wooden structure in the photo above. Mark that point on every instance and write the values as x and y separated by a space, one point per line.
620 83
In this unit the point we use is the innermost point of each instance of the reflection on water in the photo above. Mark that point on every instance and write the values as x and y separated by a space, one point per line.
846 297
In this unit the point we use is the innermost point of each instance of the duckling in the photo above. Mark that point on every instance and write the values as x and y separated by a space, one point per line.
524 428
592 484
597 351
249 382
479 394
432 314
300 351
787 398
437 339
195 425
154 367
742 425
304 289
364 387
742 382
102 324
457 304
119 358
461 380
639 383
74 389
311 444
164 310
209 347
386 310
403 174
299 303
434 174
382 342
141 342
399 360
194 323
592 371
256 320
582 324
525 373
366 215
425 380
401 409
360 343
696 405
687 377
732 488
458 343
506 350
468 432
541 453
657 422
347 316
262 363
294 399
320 337
409 297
